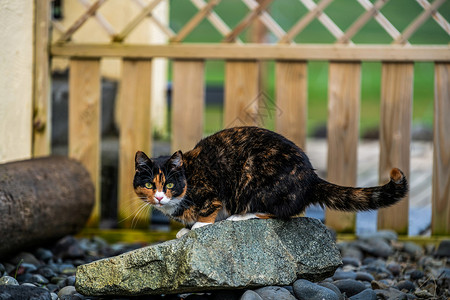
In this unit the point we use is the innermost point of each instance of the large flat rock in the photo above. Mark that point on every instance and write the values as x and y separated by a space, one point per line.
225 255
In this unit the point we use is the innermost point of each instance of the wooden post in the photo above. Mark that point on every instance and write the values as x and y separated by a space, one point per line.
395 136
241 93
41 80
440 218
135 134
291 100
187 103
344 97
84 121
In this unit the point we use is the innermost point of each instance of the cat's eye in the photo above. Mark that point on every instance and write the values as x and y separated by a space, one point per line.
169 185
148 185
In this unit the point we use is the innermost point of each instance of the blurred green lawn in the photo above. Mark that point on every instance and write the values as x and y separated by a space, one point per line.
343 12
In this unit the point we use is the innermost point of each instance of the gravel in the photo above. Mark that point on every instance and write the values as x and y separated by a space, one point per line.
374 267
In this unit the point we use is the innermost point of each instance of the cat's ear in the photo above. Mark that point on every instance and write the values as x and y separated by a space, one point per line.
140 160
176 160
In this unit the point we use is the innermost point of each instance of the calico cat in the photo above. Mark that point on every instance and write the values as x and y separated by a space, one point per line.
248 172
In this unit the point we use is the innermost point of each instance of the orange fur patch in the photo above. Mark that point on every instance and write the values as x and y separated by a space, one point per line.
265 216
396 175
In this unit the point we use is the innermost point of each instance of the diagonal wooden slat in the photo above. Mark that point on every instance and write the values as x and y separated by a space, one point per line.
80 21
314 11
436 16
100 19
324 19
136 21
165 29
266 19
215 20
361 21
409 31
194 21
248 19
382 20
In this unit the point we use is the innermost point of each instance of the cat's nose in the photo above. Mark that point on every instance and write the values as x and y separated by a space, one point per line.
159 198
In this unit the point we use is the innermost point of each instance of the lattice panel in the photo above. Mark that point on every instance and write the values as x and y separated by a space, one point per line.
258 10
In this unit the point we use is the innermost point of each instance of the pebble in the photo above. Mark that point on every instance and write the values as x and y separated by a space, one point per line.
366 272
443 249
350 286
363 276
416 274
338 275
8 280
306 290
250 295
67 290
274 293
406 285
351 261
367 294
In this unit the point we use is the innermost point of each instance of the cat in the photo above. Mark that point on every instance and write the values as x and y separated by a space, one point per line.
248 172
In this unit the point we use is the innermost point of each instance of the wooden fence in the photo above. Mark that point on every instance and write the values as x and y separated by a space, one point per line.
242 88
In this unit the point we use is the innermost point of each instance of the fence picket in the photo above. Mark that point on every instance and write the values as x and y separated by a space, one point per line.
241 93
344 93
187 103
84 121
440 224
135 134
395 136
291 100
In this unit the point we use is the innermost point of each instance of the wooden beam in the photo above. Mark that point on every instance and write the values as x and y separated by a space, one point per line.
84 122
344 97
136 21
314 11
80 21
260 52
395 136
251 16
135 134
409 31
41 80
361 21
291 100
188 102
241 93
440 217
194 21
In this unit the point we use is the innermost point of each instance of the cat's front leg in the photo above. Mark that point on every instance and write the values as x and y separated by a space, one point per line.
182 232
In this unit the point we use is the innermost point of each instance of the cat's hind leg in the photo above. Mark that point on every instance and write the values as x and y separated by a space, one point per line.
249 216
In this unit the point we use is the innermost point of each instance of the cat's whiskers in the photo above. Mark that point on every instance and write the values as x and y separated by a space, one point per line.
141 209
137 210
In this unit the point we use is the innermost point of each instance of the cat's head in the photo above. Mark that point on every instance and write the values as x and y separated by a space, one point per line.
161 181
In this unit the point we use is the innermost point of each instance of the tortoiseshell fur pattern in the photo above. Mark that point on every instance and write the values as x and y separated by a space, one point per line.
246 170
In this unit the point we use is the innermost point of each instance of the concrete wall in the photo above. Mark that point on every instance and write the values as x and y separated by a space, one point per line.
16 66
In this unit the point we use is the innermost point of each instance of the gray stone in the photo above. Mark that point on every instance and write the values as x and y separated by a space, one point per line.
250 295
67 290
8 280
387 235
367 294
274 293
413 249
8 292
344 275
225 255
349 286
443 249
332 287
364 276
306 290
391 293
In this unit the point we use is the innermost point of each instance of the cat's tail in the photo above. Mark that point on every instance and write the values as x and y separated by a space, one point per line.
359 199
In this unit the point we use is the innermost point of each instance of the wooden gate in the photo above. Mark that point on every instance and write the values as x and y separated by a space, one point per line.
242 88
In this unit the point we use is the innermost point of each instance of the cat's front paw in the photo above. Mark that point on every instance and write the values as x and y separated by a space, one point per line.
199 224
182 232
242 217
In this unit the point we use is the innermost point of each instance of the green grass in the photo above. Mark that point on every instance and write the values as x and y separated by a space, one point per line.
343 12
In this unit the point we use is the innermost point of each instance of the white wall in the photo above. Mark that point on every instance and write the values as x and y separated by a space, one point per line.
16 65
